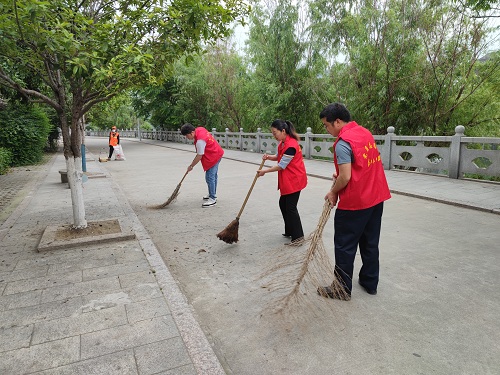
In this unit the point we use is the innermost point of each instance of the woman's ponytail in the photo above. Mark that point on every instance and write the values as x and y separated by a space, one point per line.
287 126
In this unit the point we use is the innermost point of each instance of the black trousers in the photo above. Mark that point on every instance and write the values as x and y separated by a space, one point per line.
111 149
288 207
353 228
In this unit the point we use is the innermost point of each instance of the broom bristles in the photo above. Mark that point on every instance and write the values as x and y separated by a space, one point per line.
230 233
172 198
296 275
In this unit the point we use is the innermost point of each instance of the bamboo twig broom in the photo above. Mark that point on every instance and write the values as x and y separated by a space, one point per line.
174 194
301 270
230 233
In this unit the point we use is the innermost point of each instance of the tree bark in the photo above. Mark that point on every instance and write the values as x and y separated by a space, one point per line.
75 180
72 153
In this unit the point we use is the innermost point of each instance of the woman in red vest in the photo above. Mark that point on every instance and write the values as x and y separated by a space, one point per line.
292 176
114 140
209 152
359 193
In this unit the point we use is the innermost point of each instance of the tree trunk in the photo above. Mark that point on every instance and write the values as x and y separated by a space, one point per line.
75 180
72 154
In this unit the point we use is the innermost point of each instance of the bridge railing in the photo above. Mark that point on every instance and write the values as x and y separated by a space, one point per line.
454 156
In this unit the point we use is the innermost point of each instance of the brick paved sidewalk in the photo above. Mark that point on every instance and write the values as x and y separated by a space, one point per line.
18 183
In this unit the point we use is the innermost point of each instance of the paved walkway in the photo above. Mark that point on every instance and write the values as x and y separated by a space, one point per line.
115 308
484 196
110 308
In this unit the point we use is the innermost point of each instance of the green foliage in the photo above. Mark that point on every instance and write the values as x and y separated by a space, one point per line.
285 70
480 5
118 112
480 113
5 160
24 131
146 126
157 103
416 66
410 65
84 53
53 139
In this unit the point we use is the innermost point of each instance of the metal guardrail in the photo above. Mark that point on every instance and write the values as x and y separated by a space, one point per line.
454 156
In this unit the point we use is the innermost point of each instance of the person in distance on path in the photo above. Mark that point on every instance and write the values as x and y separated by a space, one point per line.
209 152
292 176
114 140
359 193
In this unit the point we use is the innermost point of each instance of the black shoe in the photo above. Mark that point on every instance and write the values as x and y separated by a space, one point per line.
286 235
329 292
369 291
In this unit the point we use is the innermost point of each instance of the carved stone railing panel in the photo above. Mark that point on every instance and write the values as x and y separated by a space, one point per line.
455 156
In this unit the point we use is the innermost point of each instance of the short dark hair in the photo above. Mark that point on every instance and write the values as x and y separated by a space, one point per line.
187 128
335 111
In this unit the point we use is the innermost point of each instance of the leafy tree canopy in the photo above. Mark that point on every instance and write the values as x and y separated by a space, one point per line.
94 49
85 52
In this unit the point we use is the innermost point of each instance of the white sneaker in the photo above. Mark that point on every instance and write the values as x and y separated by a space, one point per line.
209 203
206 197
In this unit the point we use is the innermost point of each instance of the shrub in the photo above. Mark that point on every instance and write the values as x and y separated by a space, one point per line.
5 160
24 131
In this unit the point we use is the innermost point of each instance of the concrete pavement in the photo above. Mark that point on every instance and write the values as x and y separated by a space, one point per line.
478 195
109 308
116 308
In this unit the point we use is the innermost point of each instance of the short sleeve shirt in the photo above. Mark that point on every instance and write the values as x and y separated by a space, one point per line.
343 151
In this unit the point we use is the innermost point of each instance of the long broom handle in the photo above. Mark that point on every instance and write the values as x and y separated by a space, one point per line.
185 174
249 191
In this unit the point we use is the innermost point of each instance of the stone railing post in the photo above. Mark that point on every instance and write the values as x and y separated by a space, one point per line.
213 134
307 145
241 139
454 167
258 140
226 137
387 148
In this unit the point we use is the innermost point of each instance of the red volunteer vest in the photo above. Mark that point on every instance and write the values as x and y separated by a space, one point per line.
293 178
113 138
368 185
213 151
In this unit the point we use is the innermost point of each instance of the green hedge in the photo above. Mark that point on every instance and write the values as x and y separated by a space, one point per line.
5 160
24 131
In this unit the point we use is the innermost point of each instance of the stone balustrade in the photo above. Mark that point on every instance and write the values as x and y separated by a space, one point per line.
454 156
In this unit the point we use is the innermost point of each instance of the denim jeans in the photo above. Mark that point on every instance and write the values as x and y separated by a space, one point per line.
211 179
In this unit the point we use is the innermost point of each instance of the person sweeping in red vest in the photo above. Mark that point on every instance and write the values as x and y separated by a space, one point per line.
292 176
114 140
359 193
210 153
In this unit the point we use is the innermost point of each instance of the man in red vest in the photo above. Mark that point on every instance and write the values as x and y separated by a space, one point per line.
114 140
359 193
209 152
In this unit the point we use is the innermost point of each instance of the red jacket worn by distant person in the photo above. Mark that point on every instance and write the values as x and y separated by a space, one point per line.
213 151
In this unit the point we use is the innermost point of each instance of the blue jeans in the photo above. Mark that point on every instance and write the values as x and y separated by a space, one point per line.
211 179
